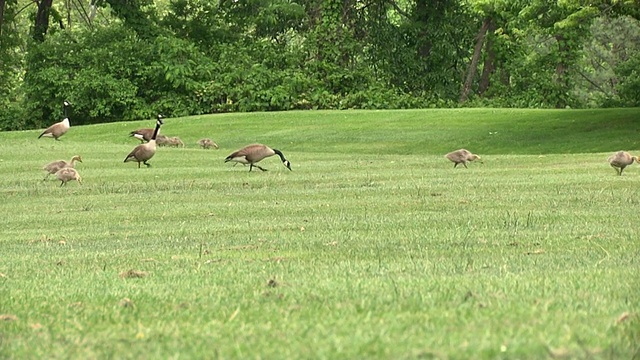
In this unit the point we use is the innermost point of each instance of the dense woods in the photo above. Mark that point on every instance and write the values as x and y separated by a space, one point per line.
120 60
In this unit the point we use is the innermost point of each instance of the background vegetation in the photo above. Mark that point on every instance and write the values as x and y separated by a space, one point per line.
124 60
374 246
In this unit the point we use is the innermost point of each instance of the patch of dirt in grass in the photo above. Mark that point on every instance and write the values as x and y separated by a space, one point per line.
133 274
242 247
535 252
623 317
272 283
8 317
126 303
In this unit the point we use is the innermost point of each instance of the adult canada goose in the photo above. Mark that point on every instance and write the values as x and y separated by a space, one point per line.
621 160
53 167
462 156
144 135
207 143
253 154
60 128
68 174
143 152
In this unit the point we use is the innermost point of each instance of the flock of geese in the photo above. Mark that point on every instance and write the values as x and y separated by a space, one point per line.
65 170
248 155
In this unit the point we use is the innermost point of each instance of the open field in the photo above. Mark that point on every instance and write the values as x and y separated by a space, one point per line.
374 246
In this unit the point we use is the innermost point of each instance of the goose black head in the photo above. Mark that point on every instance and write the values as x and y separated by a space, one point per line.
287 164
159 121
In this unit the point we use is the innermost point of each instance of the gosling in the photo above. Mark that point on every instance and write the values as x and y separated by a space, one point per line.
252 154
175 142
162 140
60 128
621 160
68 174
143 152
462 156
53 167
207 143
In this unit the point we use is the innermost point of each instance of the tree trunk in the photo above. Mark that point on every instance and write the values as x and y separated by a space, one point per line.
42 20
2 4
472 69
561 69
489 67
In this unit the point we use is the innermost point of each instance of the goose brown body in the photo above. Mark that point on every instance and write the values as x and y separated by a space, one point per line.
144 152
621 160
58 129
144 135
68 174
207 143
255 153
53 167
462 156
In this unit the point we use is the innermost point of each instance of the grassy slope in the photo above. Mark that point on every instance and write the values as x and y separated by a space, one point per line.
486 131
379 255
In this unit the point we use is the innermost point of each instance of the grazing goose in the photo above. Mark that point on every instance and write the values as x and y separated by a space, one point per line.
462 156
207 143
621 160
253 154
60 128
68 174
53 167
144 135
143 152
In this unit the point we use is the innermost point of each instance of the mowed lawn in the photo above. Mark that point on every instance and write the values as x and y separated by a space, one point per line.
373 247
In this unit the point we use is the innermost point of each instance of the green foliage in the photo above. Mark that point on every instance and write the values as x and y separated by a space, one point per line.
614 43
629 87
110 74
182 57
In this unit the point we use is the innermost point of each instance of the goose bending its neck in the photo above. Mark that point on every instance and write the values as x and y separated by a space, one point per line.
143 152
252 154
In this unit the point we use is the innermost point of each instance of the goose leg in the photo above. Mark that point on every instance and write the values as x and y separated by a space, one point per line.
148 165
261 168
465 165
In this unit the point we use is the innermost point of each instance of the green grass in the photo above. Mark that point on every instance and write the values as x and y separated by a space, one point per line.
372 247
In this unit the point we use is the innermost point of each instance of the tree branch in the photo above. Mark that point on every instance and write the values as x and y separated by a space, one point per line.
584 76
398 9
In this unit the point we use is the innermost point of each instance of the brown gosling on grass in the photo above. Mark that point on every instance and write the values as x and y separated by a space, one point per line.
621 160
207 143
60 128
68 174
143 152
53 167
253 154
175 142
462 156
162 140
